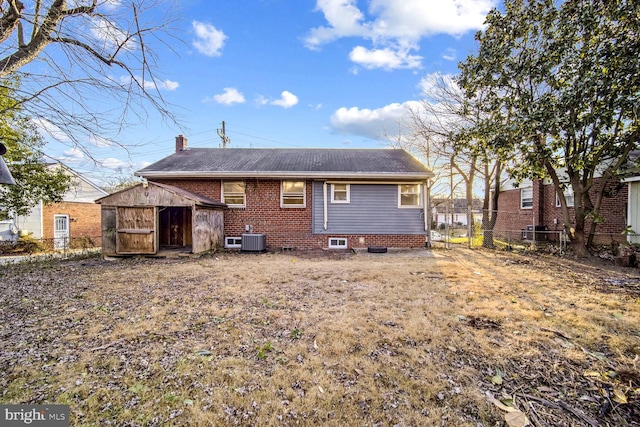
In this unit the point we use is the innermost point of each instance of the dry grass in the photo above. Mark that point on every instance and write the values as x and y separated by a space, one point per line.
281 339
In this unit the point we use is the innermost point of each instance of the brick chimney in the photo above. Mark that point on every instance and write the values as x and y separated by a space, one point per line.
181 143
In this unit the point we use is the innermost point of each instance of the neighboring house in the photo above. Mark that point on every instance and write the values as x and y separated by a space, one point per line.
303 198
534 205
75 220
443 214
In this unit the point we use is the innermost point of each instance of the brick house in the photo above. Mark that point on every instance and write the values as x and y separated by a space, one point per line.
535 205
306 198
75 221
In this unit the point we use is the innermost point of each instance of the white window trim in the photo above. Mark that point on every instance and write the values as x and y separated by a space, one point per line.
337 244
333 199
568 194
419 193
244 194
522 198
304 194
234 245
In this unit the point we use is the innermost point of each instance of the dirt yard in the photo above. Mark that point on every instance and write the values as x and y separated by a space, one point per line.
458 338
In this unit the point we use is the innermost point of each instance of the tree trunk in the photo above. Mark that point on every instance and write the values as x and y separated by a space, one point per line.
489 217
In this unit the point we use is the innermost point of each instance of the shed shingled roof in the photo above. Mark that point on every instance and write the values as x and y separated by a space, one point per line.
250 162
196 198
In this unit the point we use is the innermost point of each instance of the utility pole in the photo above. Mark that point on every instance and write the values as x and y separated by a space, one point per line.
223 135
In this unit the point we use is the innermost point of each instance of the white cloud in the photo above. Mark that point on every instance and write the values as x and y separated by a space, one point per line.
151 84
287 100
112 163
111 4
229 96
435 83
73 155
370 123
168 85
385 58
48 128
449 54
210 40
344 18
108 33
395 26
98 141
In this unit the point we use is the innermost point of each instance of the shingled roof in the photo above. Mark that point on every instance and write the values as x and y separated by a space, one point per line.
288 163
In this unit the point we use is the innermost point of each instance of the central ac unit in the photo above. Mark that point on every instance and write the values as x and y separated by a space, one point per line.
254 243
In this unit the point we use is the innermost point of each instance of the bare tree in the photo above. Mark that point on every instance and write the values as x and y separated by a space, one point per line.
442 129
69 56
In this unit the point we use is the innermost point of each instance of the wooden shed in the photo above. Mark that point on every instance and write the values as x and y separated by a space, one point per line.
150 217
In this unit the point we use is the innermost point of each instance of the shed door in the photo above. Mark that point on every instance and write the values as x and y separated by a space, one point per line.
136 230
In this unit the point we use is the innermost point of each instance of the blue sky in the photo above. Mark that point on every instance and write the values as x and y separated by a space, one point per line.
290 73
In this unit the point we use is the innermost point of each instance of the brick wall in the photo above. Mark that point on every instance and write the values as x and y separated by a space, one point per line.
84 219
284 227
613 210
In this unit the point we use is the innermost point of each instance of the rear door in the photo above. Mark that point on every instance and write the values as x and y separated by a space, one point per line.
60 232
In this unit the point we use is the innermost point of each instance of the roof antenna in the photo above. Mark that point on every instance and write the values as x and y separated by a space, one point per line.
222 134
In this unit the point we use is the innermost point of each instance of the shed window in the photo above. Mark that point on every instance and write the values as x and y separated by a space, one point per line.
233 193
340 193
409 195
526 198
293 194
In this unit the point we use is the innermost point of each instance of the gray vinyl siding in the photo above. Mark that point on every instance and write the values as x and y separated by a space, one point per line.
373 209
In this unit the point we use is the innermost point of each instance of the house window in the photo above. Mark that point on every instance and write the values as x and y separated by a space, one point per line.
293 194
526 198
409 195
233 242
233 193
568 196
340 193
337 243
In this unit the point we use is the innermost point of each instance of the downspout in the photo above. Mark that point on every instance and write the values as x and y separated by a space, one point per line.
324 203
426 213
425 206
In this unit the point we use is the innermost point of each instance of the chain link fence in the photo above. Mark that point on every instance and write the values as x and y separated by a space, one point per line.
516 230
501 230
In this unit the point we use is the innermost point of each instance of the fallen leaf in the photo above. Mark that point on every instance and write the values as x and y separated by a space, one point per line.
497 378
359 371
516 419
619 396
499 404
